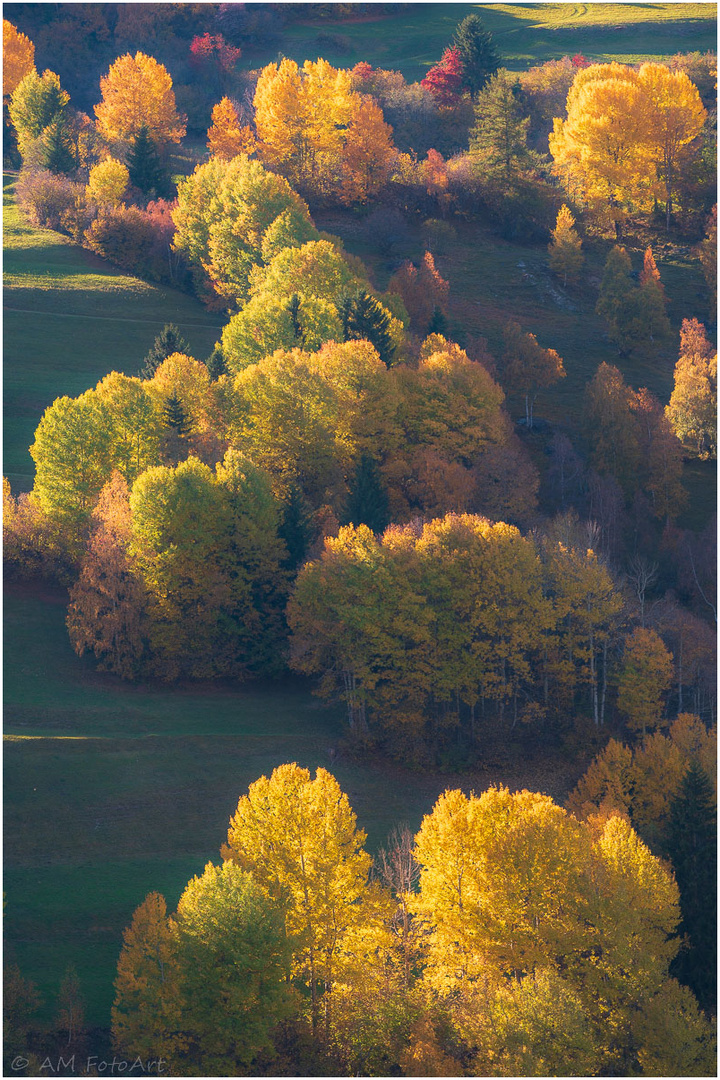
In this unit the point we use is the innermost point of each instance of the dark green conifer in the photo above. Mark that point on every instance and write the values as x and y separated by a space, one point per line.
294 309
215 364
145 168
438 323
58 152
691 846
175 416
477 52
295 527
166 343
367 502
365 319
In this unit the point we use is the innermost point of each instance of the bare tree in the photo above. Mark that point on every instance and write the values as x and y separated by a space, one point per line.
397 869
641 574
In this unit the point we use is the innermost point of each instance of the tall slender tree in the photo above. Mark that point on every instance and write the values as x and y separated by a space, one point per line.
479 56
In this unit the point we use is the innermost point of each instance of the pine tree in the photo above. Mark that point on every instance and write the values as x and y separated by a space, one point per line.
367 503
58 152
294 309
176 417
438 323
366 319
144 165
295 527
615 288
566 257
692 850
166 343
499 139
215 364
479 56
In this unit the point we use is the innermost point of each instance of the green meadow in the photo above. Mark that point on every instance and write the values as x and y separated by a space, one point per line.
69 319
113 790
412 37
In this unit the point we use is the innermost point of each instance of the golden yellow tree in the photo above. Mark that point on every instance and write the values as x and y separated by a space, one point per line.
298 838
107 182
316 130
145 1013
226 138
645 677
566 257
18 57
600 149
674 117
137 92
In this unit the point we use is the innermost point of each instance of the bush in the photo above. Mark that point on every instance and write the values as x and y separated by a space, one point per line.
46 198
133 239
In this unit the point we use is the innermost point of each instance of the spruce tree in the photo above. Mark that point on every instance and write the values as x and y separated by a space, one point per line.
477 52
58 153
294 309
438 323
691 845
615 289
215 364
166 343
499 139
175 416
366 319
367 502
145 168
295 527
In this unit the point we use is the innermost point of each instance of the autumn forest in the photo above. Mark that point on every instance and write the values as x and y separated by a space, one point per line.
359 537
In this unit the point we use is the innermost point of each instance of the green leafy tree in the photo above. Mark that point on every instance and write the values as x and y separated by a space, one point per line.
692 846
235 215
367 502
233 959
498 142
479 56
36 102
73 456
168 341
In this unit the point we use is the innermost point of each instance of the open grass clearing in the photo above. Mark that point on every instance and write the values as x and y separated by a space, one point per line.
412 37
114 790
69 319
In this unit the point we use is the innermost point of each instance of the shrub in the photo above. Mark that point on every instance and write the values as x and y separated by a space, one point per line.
45 197
133 239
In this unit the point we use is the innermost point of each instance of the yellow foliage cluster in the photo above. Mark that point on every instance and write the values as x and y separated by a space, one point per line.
319 132
625 135
137 92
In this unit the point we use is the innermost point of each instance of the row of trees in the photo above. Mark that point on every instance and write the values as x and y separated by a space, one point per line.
428 631
510 938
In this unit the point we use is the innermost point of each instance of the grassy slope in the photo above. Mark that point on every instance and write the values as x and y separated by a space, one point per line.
112 791
413 37
69 319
